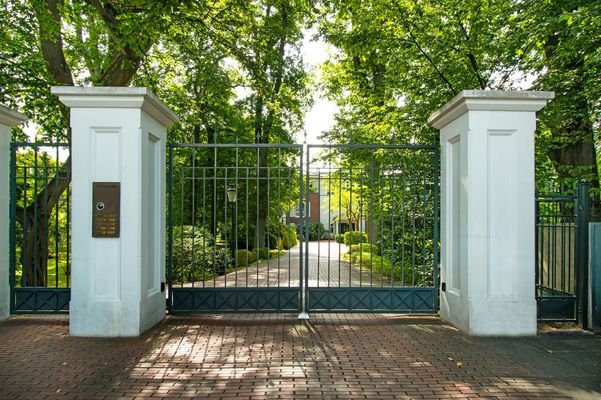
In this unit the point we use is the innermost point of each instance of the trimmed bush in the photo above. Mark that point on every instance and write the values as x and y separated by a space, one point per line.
244 257
192 257
339 238
260 253
354 237
365 248
378 264
284 237
316 229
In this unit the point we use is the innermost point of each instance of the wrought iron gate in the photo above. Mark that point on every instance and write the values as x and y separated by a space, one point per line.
378 207
289 228
40 257
230 247
562 255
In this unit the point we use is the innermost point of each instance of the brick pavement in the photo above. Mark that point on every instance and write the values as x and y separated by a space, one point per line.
345 356
326 269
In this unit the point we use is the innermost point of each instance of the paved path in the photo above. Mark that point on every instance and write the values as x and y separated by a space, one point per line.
276 356
326 269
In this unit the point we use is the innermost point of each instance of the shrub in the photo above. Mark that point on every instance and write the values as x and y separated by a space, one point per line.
244 257
316 229
327 235
292 236
354 237
260 253
191 249
339 238
365 248
284 237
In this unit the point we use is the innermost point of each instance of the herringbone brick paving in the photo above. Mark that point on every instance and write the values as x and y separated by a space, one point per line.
345 356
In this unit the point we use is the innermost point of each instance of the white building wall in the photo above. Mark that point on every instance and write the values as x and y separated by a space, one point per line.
8 119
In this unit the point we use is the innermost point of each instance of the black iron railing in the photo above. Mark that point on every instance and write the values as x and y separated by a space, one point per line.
40 262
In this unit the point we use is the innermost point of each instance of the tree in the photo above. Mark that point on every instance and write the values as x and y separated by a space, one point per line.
401 60
565 41
77 43
347 197
269 52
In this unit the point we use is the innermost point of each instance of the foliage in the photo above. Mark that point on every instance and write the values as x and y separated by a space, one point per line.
283 236
364 248
195 255
34 166
398 61
397 273
347 197
244 258
354 237
566 59
261 253
316 230
291 238
339 238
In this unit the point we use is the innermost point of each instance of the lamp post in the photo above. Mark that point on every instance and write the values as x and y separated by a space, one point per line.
232 196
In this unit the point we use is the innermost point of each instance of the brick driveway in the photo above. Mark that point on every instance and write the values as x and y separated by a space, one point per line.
326 269
261 356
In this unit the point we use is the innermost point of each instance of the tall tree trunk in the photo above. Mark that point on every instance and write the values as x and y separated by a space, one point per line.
118 71
34 220
262 203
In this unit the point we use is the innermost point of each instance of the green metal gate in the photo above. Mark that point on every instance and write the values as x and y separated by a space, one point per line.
40 266
562 255
230 247
293 228
378 225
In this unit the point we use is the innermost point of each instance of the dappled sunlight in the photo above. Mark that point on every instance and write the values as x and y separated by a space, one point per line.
327 356
269 355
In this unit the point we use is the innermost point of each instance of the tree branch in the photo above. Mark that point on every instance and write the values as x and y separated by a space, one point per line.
51 42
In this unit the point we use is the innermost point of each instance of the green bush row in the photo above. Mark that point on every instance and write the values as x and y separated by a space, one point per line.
354 237
406 274
283 238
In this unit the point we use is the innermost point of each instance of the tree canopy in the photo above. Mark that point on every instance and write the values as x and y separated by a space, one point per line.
233 69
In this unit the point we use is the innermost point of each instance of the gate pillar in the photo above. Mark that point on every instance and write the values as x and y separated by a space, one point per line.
487 211
118 209
8 119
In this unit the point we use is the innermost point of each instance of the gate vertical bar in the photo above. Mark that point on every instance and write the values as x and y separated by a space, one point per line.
435 244
303 258
170 230
582 219
13 218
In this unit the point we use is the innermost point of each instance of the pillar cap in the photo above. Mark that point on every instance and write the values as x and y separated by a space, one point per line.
489 100
10 117
116 97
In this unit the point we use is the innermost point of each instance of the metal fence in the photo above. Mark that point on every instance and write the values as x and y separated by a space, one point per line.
264 228
229 240
561 254
379 204
40 266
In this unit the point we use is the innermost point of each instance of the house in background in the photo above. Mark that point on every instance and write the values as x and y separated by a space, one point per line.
322 208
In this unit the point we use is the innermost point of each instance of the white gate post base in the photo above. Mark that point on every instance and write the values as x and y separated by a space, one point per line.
8 119
487 211
118 136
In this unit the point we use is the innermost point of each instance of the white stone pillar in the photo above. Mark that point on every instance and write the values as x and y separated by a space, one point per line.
8 119
487 211
118 136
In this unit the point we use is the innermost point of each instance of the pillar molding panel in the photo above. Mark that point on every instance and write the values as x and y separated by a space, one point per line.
8 119
118 136
487 211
